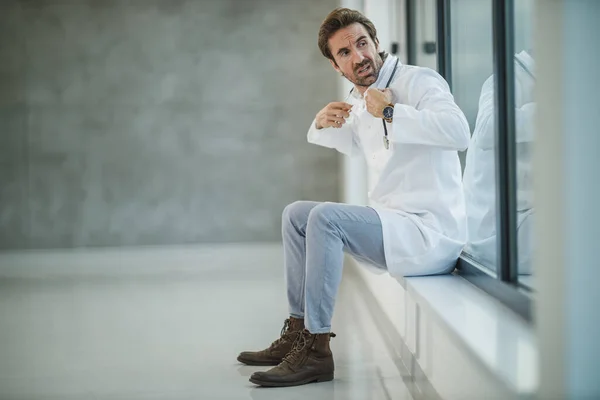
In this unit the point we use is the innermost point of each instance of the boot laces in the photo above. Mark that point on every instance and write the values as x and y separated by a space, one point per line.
284 331
299 345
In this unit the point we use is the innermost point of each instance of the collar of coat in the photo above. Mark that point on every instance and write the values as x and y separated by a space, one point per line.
527 62
384 75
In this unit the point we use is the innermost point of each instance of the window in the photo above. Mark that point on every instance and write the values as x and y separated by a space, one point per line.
494 85
525 106
471 47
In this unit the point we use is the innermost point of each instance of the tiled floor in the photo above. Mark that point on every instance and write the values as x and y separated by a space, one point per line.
167 324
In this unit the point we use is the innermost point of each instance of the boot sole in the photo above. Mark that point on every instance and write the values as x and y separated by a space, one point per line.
314 379
259 363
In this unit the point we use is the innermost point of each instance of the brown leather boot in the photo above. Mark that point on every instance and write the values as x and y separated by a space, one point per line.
309 361
278 349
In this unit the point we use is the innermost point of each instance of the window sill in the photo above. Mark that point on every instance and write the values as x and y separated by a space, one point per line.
495 340
503 341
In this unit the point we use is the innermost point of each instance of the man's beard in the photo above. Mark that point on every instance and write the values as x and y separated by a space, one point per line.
367 80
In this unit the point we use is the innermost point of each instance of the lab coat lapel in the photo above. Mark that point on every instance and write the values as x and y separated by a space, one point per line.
386 72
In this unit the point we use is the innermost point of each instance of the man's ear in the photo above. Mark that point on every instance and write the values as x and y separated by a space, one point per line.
377 45
335 66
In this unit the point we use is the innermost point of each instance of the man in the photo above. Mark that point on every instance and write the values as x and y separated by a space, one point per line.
480 170
416 225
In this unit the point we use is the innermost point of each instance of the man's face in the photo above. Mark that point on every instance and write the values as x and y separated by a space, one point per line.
356 55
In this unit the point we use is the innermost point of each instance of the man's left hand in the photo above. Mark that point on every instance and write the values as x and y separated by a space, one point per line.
377 100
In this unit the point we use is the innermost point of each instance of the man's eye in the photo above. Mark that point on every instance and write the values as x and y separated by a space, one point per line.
345 53
361 44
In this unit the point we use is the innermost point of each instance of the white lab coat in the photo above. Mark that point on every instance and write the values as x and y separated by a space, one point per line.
417 188
480 170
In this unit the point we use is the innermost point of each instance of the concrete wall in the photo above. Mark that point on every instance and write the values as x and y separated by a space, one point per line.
147 122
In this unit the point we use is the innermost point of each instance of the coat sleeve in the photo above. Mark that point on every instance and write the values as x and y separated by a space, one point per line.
485 125
342 139
484 132
430 117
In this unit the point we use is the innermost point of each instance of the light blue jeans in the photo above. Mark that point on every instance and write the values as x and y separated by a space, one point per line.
315 237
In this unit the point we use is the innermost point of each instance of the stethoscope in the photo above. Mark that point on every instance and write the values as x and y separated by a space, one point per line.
386 140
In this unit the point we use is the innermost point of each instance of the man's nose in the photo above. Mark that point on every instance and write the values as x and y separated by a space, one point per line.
358 57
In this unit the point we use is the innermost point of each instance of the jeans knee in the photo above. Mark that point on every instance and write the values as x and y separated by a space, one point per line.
323 214
292 212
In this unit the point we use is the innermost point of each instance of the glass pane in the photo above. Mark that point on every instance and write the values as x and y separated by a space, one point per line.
524 121
473 87
426 32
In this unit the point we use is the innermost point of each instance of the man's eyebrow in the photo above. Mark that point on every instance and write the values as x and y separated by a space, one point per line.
340 51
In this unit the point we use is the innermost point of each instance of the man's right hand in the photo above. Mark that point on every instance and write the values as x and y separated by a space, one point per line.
333 115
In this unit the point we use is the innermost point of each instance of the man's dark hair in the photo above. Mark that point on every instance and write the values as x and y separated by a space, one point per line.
338 19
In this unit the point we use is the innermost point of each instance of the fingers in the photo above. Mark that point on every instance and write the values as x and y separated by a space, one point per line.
375 112
389 95
372 104
332 122
338 113
336 120
374 94
334 114
333 117
340 105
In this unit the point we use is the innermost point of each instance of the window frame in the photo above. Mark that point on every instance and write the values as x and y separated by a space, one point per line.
411 32
505 286
444 53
